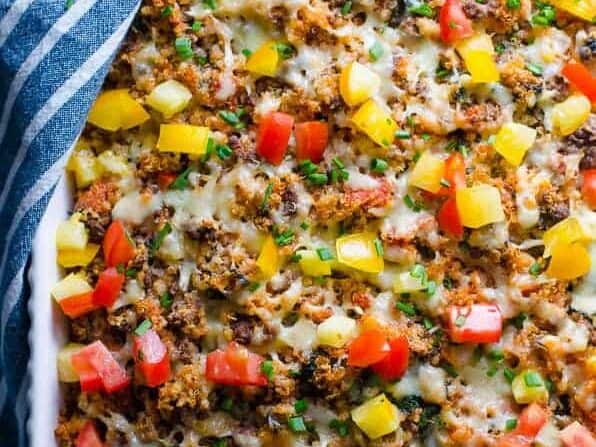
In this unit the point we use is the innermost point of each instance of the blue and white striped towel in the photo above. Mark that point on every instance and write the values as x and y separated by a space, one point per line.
54 55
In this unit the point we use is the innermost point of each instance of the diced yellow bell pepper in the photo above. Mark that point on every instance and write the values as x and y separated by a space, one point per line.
528 387
571 114
569 261
564 232
77 258
66 372
169 98
481 66
375 122
584 9
112 163
376 417
427 173
406 283
336 331
361 251
85 167
269 259
477 52
72 234
73 284
265 60
357 83
183 138
513 140
116 109
312 265
479 205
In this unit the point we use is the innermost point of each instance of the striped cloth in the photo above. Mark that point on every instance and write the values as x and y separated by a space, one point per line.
54 55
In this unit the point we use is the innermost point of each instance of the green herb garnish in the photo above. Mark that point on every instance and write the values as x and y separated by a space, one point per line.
142 328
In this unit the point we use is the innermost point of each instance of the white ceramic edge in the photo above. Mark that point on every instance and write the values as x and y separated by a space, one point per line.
48 331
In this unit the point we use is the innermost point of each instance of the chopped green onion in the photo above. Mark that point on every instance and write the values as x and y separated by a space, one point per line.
492 371
535 69
196 26
296 257
183 47
181 182
308 167
535 269
246 52
406 308
421 9
202 60
131 273
284 51
317 178
509 374
346 8
305 226
375 51
342 428
431 288
253 286
209 150
448 283
412 204
166 300
296 424
284 238
223 151
324 254
513 4
403 134
546 14
518 321
510 424
379 248
378 165
496 355
444 182
300 406
267 369
69 4
167 11
142 328
427 324
266 197
220 443
161 235
233 119
227 404
533 380
211 4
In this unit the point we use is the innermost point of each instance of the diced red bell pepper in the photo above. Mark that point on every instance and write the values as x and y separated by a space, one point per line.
531 420
581 78
368 348
455 174
88 436
89 378
152 358
108 287
165 179
117 246
311 140
576 435
448 218
589 187
454 23
477 323
235 366
77 305
395 363
96 355
273 136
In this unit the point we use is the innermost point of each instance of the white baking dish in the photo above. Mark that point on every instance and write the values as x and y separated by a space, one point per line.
48 329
